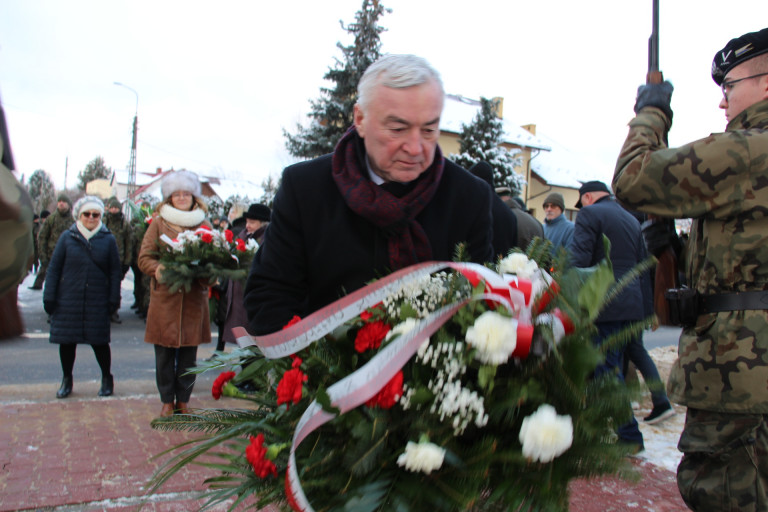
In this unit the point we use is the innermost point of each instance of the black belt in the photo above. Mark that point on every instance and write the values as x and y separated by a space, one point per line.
733 301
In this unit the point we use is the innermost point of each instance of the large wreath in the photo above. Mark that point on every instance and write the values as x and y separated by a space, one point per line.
445 386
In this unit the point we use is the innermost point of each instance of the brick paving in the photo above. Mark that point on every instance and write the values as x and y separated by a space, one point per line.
88 454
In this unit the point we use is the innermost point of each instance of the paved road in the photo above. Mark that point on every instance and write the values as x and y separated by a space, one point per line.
30 367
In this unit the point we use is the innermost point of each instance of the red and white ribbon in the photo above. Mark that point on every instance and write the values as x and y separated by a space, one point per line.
361 385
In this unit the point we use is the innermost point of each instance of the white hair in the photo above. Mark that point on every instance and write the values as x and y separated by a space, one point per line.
396 72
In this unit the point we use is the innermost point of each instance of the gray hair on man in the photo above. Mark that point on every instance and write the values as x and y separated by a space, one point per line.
396 72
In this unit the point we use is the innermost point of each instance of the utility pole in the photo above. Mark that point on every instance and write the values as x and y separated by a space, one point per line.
132 161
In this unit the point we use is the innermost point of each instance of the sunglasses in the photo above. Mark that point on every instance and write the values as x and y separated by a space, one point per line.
95 215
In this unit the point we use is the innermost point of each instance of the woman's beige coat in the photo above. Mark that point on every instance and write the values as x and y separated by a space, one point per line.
174 319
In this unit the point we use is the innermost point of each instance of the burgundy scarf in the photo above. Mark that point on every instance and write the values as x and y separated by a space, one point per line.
407 241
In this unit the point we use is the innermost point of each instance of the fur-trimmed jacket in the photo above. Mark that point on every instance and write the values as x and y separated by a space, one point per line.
174 319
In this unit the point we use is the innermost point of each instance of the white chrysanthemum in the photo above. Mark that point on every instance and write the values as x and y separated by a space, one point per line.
518 264
494 336
402 328
251 244
424 456
545 434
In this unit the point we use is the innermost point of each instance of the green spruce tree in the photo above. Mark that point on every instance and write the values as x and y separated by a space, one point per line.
95 170
481 141
41 190
332 113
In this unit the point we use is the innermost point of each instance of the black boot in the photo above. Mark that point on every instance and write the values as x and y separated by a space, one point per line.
107 386
66 388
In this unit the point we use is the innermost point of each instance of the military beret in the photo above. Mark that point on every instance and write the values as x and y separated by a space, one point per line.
737 51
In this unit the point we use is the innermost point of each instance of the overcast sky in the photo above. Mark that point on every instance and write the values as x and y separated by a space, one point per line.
218 81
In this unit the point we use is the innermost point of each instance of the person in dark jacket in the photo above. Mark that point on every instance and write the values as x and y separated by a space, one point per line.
528 227
601 215
256 222
384 200
82 290
557 228
504 221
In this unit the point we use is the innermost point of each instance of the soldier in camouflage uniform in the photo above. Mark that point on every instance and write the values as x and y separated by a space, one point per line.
119 226
56 223
15 220
721 182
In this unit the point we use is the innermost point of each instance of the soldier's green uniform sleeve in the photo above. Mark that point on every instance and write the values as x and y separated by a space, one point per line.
16 215
703 178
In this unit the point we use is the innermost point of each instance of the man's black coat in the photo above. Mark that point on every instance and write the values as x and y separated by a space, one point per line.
316 249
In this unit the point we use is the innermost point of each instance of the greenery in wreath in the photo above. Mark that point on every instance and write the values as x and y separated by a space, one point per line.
448 386
204 254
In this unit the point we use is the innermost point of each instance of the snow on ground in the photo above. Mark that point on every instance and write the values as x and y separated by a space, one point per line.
661 439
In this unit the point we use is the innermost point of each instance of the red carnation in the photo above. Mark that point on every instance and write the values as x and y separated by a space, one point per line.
366 315
220 382
371 335
207 237
203 226
296 319
389 394
228 235
241 245
289 387
255 453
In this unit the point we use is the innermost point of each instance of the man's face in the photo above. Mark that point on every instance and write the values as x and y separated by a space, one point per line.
62 206
745 93
114 209
252 225
552 211
400 128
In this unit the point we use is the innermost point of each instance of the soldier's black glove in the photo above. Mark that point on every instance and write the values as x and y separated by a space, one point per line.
49 306
655 95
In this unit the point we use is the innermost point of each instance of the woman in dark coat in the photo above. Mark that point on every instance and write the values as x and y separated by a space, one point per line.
82 290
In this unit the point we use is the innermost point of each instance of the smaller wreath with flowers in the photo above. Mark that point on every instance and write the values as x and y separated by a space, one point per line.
204 255
455 387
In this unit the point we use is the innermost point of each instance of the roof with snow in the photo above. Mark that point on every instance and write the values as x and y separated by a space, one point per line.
224 184
459 110
553 163
565 168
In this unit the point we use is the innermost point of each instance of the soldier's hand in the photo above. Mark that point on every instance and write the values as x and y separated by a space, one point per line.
655 95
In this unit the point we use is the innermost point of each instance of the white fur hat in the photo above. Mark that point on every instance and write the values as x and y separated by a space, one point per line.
181 180
86 203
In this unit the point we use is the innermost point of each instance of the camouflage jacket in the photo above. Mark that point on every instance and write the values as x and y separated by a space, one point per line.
49 234
15 228
721 182
123 232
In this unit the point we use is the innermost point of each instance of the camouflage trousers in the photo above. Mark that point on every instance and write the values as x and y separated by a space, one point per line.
725 462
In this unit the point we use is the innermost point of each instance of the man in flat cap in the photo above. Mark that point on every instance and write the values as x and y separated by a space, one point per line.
719 182
600 215
557 228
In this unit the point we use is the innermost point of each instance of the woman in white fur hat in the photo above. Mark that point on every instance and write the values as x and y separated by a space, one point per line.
82 290
176 322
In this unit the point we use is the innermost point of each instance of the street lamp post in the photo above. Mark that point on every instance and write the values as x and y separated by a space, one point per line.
132 163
